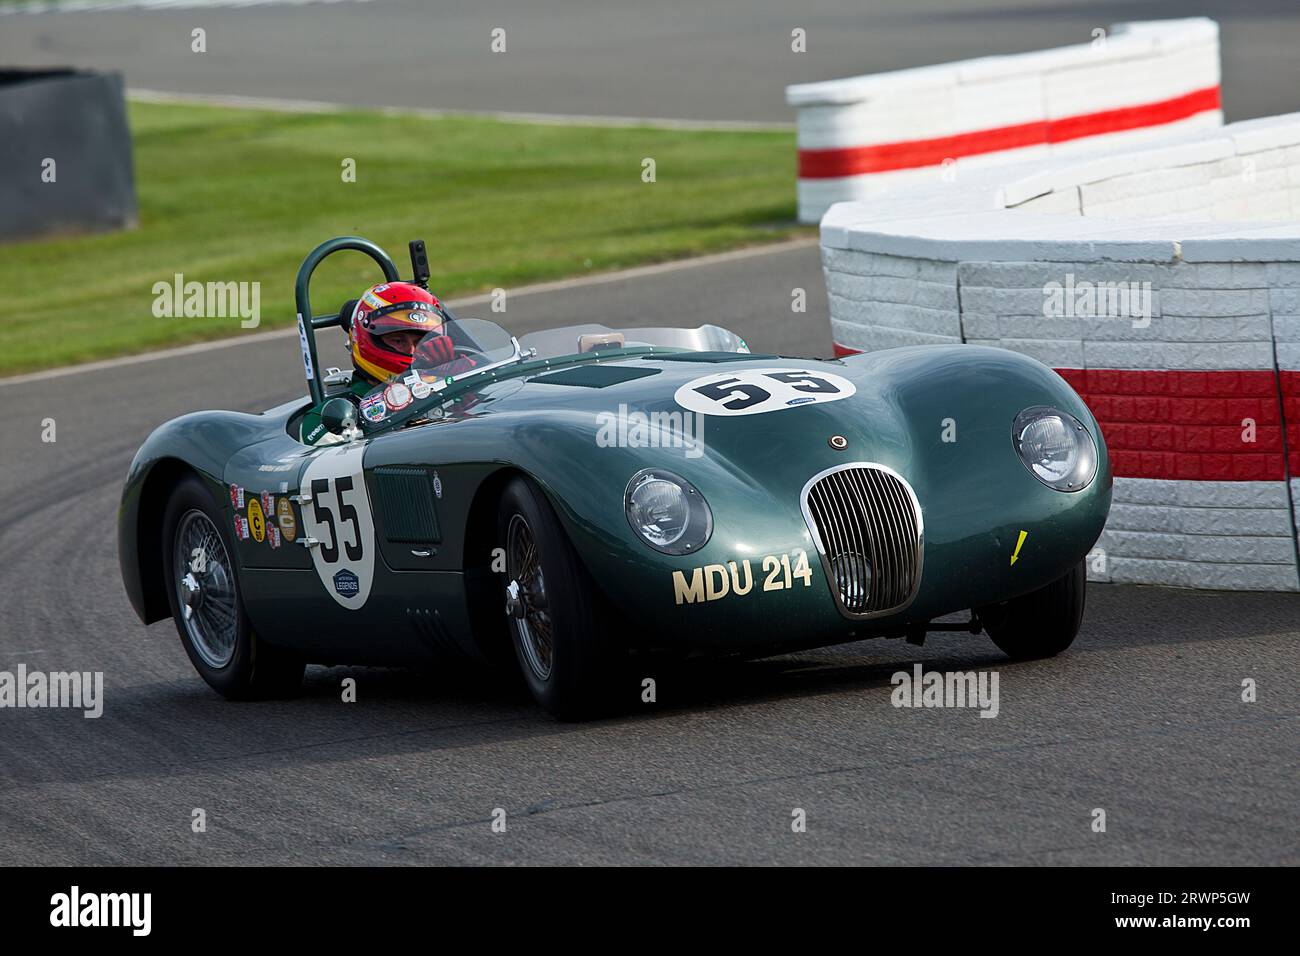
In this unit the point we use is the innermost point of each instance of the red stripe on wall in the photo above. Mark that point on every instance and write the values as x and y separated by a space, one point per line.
1189 425
911 154
1289 386
1133 117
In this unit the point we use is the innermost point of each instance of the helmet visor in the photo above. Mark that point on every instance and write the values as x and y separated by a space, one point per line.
404 316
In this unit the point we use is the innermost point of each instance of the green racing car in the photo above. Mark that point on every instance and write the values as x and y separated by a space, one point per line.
578 497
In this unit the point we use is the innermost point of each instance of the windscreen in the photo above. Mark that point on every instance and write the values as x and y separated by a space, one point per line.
576 339
453 350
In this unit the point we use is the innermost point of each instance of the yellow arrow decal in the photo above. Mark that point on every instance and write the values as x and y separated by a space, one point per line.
1015 555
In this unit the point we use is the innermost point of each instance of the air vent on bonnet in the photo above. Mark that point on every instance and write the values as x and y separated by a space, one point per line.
406 502
595 376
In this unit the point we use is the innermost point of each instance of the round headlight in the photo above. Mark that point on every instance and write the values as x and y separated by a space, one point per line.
667 512
1056 447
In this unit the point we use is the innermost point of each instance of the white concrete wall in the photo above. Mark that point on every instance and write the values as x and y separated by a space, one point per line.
1203 230
1002 108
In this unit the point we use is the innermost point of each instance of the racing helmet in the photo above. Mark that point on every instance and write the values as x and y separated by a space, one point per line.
389 308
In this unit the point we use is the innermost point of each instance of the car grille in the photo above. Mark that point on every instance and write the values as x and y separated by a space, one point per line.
866 522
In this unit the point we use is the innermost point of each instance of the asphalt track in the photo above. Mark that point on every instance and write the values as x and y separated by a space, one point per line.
1142 717
724 60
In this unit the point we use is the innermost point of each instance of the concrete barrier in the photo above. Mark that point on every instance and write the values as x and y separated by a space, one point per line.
861 136
1164 284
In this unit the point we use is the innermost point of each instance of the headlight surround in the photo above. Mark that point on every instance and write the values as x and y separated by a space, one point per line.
1055 447
667 512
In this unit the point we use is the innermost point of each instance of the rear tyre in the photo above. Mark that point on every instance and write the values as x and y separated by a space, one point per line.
553 610
1041 623
203 592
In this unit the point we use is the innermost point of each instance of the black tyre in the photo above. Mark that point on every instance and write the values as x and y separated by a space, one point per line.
1041 623
203 592
553 610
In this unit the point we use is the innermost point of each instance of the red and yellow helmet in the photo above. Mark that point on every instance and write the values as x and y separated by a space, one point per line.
386 308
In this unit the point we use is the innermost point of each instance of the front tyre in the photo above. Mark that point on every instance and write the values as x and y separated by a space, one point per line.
203 592
1041 623
552 607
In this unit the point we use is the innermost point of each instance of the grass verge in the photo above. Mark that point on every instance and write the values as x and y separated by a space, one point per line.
234 195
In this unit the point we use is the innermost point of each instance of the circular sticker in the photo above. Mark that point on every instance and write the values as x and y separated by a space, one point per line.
285 519
754 391
421 389
256 520
397 396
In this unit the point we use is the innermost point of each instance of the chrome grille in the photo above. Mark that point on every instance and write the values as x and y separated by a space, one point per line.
866 523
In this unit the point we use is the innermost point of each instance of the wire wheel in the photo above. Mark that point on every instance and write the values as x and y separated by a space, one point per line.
526 604
205 589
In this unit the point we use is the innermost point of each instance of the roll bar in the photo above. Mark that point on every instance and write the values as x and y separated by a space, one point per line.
308 323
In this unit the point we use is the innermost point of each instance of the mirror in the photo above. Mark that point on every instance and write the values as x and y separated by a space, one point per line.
339 416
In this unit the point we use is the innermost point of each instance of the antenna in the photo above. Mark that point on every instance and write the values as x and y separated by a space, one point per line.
419 264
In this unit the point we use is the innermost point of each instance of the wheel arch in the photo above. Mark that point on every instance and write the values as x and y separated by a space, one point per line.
140 546
487 619
491 636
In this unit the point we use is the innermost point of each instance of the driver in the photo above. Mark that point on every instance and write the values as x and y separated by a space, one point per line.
392 327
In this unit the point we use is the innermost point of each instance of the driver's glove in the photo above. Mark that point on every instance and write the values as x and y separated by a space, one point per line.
433 350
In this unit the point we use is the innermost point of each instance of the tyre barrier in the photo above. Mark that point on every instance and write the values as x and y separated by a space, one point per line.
1164 284
861 136
65 154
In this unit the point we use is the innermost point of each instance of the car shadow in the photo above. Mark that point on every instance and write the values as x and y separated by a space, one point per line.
179 726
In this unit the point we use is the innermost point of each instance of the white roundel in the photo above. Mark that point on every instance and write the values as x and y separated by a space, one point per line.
336 512
753 391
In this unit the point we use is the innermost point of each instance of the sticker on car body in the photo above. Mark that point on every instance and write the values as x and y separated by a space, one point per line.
256 520
306 350
373 409
284 518
760 390
336 512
